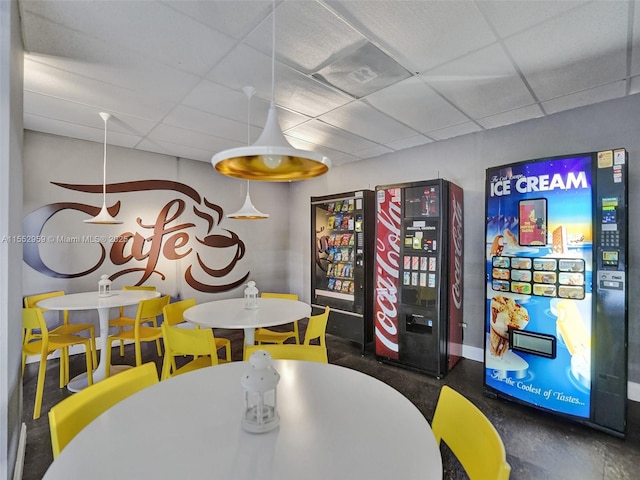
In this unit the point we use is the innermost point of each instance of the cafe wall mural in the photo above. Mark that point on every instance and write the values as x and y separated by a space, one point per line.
174 234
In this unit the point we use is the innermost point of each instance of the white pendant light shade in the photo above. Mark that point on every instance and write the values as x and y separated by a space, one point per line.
271 158
248 211
104 217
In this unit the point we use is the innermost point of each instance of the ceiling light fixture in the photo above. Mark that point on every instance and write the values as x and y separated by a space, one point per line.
248 211
104 217
271 158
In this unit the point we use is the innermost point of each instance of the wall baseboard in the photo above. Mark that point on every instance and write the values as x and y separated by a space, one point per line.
22 446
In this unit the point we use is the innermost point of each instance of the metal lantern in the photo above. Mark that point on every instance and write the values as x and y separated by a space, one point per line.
260 383
104 286
251 296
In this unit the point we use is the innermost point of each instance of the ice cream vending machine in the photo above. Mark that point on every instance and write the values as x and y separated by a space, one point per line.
418 275
556 286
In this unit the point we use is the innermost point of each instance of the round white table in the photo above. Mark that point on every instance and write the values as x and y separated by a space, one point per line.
90 301
230 313
335 423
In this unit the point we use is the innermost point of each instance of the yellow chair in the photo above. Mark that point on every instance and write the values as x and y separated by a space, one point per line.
471 437
317 328
181 341
122 321
74 413
289 351
43 344
174 316
147 309
31 301
264 335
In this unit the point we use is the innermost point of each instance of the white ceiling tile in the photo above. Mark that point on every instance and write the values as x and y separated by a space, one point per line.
586 97
512 17
70 112
208 124
482 83
419 34
82 132
579 50
512 116
409 142
178 136
363 120
320 133
225 16
415 104
47 80
307 35
181 151
373 152
454 131
336 157
95 59
149 28
635 47
293 90
634 85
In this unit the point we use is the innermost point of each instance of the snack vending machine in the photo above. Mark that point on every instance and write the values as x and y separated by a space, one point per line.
418 275
556 289
342 269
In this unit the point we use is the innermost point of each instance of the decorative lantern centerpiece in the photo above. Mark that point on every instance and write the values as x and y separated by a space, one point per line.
260 382
251 295
104 286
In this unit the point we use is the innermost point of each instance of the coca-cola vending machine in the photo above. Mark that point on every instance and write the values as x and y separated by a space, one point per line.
418 275
342 270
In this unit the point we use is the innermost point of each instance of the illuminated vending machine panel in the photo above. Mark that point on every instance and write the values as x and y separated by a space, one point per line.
342 268
555 251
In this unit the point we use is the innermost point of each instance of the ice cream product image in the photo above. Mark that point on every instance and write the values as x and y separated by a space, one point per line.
505 314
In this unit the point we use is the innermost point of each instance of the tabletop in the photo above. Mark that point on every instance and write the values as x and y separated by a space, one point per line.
91 300
231 313
335 423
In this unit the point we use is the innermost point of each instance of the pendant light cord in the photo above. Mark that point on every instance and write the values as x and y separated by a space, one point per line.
104 166
273 51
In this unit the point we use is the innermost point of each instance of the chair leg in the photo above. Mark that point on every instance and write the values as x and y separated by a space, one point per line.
87 347
166 365
158 347
120 330
64 368
297 332
42 370
94 350
138 354
227 352
107 349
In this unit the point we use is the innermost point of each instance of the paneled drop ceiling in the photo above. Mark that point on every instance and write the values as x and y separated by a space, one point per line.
353 79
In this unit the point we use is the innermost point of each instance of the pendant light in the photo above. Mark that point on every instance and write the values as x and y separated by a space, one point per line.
271 158
248 211
104 217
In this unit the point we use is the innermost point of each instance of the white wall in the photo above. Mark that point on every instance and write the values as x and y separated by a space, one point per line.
11 75
463 161
50 158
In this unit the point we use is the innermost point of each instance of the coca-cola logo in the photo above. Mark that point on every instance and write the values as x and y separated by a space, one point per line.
457 238
387 272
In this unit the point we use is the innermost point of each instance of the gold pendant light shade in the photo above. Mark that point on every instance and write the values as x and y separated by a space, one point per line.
271 158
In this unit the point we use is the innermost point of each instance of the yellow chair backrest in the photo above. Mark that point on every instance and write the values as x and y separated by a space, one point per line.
30 301
32 319
151 307
290 351
148 288
174 312
287 296
317 327
471 437
183 341
74 413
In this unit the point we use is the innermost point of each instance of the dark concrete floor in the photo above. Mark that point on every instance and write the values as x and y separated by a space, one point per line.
539 445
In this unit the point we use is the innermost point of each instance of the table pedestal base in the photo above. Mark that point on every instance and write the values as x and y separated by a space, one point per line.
80 382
